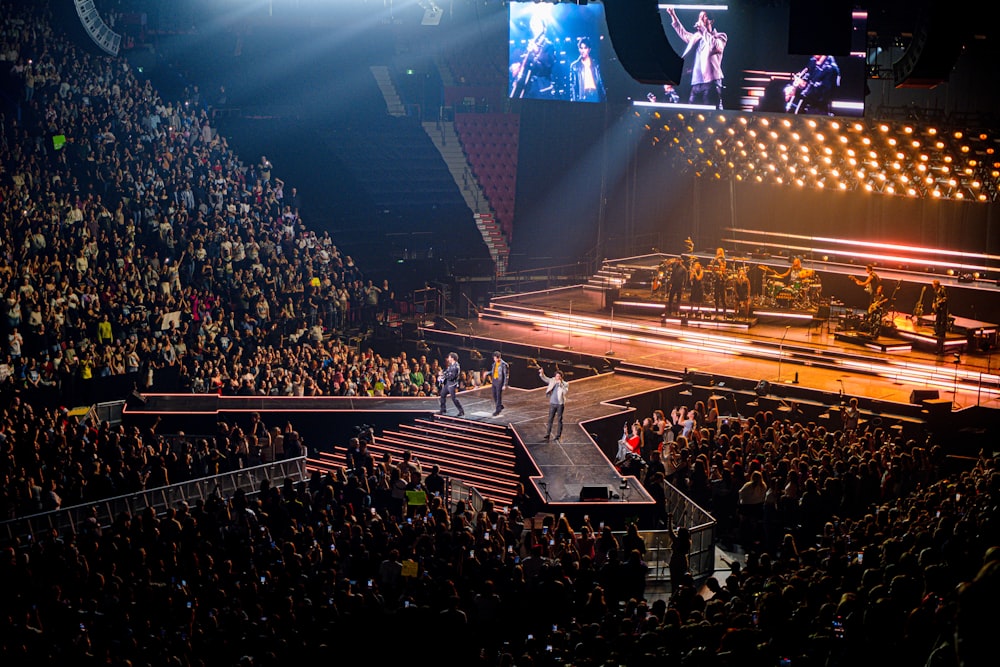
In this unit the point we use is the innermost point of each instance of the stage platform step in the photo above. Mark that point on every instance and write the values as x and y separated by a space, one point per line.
719 324
471 440
450 446
486 476
879 343
477 453
649 372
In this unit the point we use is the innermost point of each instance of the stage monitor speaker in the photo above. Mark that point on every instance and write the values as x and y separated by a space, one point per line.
819 27
637 35
937 42
611 295
699 379
937 408
918 396
595 494
444 324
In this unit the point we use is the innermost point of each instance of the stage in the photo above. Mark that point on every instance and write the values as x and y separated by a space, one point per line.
805 351
623 365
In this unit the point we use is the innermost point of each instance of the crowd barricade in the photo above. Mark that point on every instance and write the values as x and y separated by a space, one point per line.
102 513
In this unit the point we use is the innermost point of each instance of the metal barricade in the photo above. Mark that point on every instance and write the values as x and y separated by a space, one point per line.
701 526
103 512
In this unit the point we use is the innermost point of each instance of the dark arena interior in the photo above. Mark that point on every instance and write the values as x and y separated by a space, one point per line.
499 333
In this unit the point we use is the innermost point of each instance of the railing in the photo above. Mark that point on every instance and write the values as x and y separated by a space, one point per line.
544 277
110 412
701 525
456 490
104 512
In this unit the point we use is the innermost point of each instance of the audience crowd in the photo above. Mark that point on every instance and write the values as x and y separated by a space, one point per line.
136 243
302 570
143 247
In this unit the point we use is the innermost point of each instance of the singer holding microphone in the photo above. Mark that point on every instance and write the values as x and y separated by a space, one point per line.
556 392
707 44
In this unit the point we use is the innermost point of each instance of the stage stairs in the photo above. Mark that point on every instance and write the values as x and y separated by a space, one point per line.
476 453
611 275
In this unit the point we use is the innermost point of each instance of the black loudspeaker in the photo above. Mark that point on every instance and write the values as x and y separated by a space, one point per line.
638 38
937 408
823 312
819 27
699 379
595 494
918 396
611 295
935 46
444 324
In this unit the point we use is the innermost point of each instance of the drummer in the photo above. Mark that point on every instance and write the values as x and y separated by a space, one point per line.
795 274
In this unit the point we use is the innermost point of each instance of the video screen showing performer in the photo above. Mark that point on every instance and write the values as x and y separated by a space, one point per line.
812 90
704 48
736 57
823 84
586 84
555 52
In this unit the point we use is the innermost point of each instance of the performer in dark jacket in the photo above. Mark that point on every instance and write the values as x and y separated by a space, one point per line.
586 84
448 379
940 309
499 376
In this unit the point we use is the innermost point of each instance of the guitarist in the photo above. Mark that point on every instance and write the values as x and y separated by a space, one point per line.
940 310
876 310
811 90
533 74
871 282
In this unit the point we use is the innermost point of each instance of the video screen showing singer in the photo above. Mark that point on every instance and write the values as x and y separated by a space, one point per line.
706 46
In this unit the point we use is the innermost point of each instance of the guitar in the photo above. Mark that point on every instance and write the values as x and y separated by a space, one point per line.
940 304
876 305
918 310
795 91
524 71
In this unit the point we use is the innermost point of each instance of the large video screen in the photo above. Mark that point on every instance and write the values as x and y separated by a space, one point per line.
734 58
559 52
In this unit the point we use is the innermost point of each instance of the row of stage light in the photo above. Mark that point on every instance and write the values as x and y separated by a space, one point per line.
823 153
965 266
950 377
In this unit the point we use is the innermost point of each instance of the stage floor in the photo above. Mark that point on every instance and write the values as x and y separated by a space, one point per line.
802 351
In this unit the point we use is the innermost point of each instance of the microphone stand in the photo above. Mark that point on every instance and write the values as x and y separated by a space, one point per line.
545 489
781 347
569 327
611 337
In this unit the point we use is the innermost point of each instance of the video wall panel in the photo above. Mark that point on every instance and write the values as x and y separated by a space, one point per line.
735 58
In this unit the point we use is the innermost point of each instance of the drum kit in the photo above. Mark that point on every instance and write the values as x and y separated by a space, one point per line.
805 293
